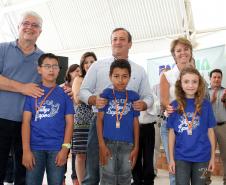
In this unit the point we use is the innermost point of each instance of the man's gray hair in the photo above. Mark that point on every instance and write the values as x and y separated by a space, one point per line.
32 14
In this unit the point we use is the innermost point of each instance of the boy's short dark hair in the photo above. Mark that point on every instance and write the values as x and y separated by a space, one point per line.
120 63
216 71
47 55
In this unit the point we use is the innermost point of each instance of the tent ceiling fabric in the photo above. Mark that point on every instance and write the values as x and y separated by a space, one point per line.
85 24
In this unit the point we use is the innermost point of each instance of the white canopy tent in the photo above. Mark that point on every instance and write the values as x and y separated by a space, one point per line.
72 27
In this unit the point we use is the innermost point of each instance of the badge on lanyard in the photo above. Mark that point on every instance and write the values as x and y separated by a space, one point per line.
117 124
189 123
189 131
117 112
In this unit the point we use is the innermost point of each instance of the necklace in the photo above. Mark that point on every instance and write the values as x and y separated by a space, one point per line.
119 114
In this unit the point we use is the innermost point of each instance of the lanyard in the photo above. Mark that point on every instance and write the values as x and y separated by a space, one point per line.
189 123
37 108
117 109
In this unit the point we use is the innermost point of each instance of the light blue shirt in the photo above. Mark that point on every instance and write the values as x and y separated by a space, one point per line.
22 68
218 107
97 79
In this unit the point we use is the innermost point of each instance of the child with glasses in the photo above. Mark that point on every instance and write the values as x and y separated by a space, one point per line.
191 134
47 127
118 127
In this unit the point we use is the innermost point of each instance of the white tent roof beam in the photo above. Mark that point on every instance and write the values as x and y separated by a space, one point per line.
25 4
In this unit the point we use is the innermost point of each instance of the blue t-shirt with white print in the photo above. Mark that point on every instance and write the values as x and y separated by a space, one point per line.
48 123
125 132
195 147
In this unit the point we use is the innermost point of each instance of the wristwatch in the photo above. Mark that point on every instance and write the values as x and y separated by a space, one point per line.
66 145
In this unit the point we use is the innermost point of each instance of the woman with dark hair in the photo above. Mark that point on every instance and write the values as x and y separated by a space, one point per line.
83 118
72 72
86 60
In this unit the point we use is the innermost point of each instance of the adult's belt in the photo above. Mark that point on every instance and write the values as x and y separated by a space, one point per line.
221 123
147 124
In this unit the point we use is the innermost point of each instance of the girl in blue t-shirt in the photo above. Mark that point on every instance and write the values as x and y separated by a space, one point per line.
191 134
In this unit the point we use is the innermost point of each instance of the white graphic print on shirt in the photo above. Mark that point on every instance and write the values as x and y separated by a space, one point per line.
112 108
183 126
48 109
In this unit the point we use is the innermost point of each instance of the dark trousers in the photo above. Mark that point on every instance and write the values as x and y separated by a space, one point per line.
73 171
143 172
9 176
10 137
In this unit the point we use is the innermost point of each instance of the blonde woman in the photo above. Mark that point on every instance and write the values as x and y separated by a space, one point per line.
181 50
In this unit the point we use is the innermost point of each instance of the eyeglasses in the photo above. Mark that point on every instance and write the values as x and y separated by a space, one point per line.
47 66
32 25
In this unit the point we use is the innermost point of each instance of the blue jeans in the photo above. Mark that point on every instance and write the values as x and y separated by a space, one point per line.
191 171
45 160
165 139
117 171
92 176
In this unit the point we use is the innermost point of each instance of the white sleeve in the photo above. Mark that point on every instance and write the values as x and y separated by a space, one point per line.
88 85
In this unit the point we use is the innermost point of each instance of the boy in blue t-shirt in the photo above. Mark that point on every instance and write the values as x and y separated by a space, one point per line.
47 127
118 127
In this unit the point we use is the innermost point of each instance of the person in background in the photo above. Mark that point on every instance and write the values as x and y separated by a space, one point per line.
157 125
118 127
72 72
47 127
143 172
181 50
150 121
191 133
96 80
218 100
83 118
18 77
156 112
